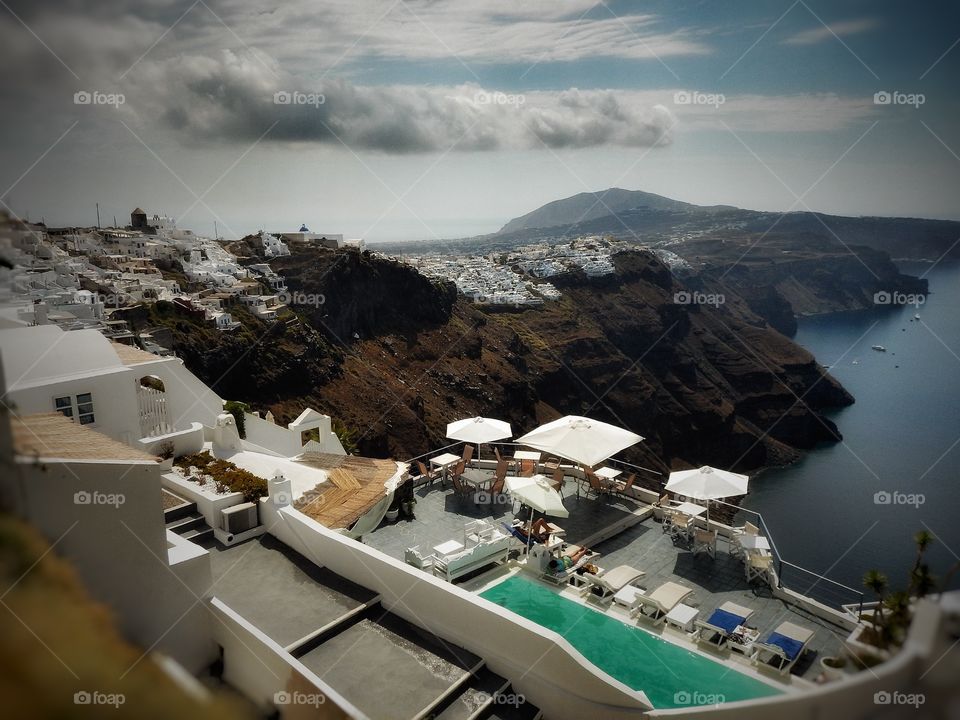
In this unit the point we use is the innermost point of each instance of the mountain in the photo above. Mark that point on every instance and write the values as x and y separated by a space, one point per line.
396 356
653 219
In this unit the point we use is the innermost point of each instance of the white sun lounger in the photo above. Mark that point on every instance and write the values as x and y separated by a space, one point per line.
784 646
610 582
656 605
718 627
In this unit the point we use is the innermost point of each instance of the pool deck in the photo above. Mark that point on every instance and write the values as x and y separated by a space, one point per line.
440 516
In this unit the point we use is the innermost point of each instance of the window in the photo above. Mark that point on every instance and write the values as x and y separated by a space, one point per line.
80 407
85 408
64 405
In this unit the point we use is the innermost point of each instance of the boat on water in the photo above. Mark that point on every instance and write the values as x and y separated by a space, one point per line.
878 348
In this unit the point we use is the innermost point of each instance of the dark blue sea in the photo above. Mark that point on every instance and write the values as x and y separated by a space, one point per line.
852 506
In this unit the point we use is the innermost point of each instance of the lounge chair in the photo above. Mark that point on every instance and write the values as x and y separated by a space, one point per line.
782 648
563 576
716 629
602 587
655 605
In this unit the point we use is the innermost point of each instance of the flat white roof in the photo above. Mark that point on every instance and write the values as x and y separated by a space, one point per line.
32 355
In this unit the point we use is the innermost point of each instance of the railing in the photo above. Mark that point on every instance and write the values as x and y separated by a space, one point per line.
788 575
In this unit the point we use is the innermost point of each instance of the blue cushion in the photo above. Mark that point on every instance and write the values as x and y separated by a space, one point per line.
726 621
790 647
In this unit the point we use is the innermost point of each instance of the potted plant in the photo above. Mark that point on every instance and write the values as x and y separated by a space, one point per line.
833 666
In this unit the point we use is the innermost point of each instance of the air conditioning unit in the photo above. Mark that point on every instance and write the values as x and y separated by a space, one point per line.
239 518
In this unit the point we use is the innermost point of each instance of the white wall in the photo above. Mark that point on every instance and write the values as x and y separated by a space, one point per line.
188 398
120 549
541 664
114 401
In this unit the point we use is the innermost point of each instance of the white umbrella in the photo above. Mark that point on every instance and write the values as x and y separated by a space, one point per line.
707 483
537 493
585 441
479 430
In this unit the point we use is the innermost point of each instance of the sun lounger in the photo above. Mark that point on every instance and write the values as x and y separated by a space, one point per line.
783 647
605 585
716 629
655 605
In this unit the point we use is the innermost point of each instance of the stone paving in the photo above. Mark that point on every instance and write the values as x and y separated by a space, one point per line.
440 516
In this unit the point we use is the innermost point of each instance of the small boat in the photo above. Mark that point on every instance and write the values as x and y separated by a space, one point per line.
878 348
916 316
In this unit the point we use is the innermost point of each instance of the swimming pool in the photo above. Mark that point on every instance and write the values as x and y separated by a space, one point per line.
669 675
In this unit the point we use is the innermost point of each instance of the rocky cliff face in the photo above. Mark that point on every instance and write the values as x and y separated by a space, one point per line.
396 357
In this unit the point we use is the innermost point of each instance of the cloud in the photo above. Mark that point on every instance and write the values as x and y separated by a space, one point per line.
840 29
236 97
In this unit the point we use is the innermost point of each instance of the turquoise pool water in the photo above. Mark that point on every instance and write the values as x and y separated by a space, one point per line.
669 675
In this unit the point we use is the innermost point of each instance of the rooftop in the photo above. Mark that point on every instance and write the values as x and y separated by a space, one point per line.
605 525
356 485
130 355
51 435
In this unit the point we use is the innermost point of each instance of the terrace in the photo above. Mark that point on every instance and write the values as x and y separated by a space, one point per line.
627 529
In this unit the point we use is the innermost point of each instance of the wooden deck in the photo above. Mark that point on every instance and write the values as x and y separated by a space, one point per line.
356 484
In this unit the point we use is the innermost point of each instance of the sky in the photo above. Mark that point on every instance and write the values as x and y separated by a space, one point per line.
424 119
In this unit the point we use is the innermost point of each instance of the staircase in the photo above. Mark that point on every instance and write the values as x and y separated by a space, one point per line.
442 681
189 524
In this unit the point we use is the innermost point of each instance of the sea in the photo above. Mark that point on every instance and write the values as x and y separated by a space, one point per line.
855 505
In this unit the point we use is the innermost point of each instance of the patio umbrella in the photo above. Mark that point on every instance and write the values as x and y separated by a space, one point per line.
585 441
479 430
536 493
707 483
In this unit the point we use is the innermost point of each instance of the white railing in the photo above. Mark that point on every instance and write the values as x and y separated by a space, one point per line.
153 412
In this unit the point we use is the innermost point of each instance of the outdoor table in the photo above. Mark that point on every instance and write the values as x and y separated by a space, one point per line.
688 508
447 548
444 462
754 542
682 617
627 596
742 639
607 473
475 477
530 456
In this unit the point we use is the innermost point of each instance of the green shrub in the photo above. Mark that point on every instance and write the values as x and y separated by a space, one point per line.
237 409
226 476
